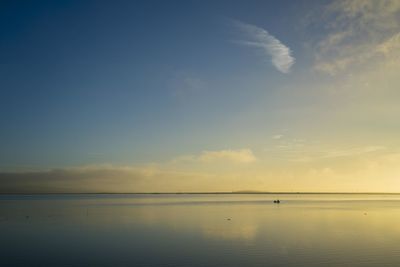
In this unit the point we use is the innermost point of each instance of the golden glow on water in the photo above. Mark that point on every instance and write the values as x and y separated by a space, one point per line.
304 230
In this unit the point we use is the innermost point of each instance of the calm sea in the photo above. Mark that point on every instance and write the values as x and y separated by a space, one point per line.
200 230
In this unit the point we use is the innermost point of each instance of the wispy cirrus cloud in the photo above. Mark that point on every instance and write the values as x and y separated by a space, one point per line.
240 156
279 54
185 84
234 156
358 32
297 150
277 136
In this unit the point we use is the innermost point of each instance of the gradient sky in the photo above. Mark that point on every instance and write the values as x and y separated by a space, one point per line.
145 96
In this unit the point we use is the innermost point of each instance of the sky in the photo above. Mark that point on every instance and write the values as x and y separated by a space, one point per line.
199 96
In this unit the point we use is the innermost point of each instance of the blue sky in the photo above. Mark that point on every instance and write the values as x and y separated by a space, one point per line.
143 83
82 78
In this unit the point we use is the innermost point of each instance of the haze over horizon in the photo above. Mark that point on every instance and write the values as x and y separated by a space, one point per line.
200 96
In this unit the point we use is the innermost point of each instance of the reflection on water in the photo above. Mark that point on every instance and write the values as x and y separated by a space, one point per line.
200 230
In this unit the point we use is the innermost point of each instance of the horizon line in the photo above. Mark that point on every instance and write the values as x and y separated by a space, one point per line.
200 193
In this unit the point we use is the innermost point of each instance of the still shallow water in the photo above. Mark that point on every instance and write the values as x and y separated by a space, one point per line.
200 230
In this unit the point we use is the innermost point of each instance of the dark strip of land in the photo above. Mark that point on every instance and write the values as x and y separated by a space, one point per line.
205 193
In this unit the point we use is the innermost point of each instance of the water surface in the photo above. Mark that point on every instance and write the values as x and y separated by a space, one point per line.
200 230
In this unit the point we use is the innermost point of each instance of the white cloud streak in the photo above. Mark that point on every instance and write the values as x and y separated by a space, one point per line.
240 156
277 136
233 156
359 31
298 151
280 55
185 84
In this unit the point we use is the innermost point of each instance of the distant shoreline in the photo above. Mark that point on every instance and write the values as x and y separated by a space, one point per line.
208 193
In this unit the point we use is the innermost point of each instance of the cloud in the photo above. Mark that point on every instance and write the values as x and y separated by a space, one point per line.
108 179
277 136
341 169
358 31
375 174
281 55
156 177
185 84
94 178
299 152
234 156
240 156
389 45
352 151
